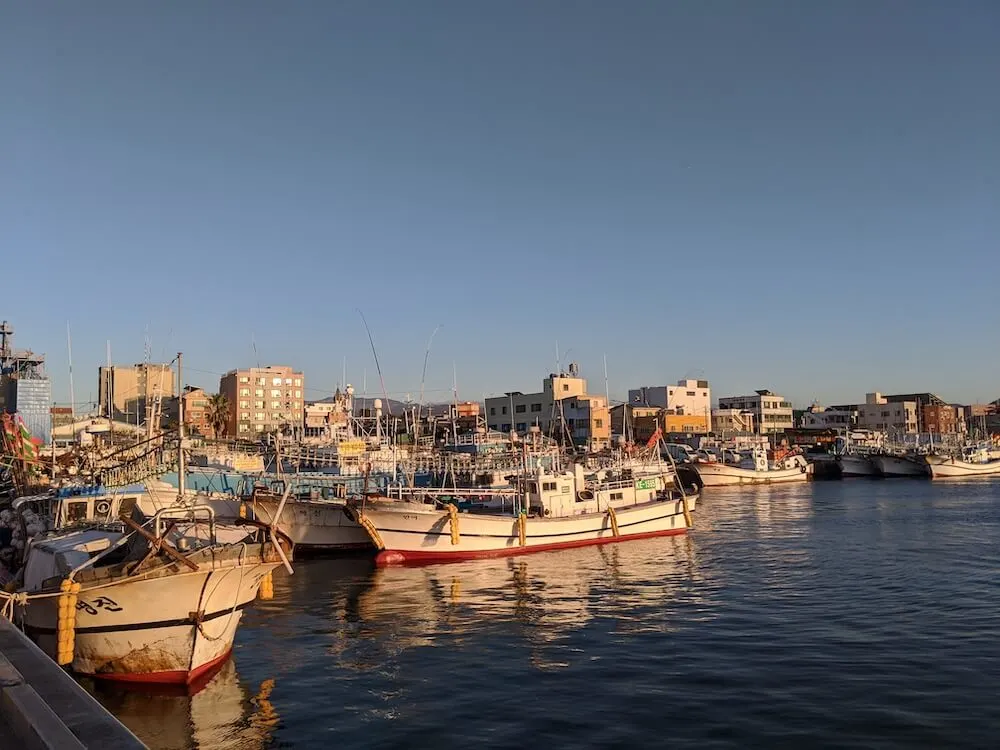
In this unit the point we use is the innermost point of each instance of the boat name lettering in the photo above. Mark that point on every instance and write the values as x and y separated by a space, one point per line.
646 484
101 602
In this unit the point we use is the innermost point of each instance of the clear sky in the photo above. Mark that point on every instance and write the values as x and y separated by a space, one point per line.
794 195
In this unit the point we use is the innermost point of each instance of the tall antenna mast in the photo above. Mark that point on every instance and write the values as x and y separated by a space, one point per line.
72 395
378 367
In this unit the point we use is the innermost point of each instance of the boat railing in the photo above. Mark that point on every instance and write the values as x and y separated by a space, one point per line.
184 513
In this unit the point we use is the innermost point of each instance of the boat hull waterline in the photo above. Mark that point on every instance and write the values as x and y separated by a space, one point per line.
315 526
857 466
418 533
900 466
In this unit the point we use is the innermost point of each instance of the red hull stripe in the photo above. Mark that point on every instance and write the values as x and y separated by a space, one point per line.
397 557
173 677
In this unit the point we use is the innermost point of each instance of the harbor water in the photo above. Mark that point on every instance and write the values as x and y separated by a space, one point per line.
830 614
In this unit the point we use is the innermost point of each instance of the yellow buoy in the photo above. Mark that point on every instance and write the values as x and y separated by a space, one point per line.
453 523
266 590
66 622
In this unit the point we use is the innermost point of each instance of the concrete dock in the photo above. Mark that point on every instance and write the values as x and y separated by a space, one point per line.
43 708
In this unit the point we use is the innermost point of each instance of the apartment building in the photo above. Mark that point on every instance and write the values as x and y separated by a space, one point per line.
943 419
263 399
687 405
878 413
562 408
770 412
127 393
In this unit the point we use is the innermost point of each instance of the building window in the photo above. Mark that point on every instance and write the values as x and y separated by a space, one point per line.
259 416
536 407
503 410
520 408
298 381
259 427
245 415
493 411
244 379
258 404
244 428
522 427
261 381
275 393
298 394
244 404
505 427
275 416
565 386
288 381
259 393
598 423
244 391
275 404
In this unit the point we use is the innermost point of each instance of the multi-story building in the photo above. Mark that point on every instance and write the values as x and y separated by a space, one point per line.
922 400
771 412
25 389
878 413
197 414
128 393
943 419
819 417
562 409
687 406
263 399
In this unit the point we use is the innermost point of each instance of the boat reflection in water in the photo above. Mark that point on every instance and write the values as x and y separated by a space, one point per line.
547 597
219 713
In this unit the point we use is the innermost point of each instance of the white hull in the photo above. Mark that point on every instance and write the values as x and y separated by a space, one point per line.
144 629
900 466
942 467
722 475
857 466
418 532
315 525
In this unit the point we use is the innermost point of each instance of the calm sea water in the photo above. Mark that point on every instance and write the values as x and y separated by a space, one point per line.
833 614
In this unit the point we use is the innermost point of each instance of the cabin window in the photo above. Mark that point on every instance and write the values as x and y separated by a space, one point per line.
532 487
548 486
617 495
565 386
76 511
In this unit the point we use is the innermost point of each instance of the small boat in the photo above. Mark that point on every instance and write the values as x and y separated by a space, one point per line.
757 470
547 510
144 599
900 465
975 461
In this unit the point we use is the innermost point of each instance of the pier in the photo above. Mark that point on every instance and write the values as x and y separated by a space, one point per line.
43 708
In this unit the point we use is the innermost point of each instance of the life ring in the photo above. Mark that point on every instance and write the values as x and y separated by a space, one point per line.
583 495
103 507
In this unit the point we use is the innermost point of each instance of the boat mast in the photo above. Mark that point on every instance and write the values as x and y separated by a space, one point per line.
181 470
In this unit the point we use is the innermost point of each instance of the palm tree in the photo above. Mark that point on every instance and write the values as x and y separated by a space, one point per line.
218 414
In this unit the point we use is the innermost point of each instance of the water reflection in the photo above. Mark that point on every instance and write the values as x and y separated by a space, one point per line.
221 714
547 596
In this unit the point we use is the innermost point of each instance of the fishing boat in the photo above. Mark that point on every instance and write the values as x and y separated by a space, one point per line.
148 600
900 464
755 470
314 521
547 509
855 452
974 461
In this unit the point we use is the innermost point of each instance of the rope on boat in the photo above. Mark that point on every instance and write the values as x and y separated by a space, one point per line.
614 521
453 523
522 522
66 624
367 525
200 614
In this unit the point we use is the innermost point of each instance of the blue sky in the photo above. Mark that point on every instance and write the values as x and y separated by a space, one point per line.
800 196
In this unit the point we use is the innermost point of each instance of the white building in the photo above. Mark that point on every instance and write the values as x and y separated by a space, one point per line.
563 406
687 398
771 412
818 417
877 413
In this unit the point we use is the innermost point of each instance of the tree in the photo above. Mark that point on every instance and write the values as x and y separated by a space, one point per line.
218 414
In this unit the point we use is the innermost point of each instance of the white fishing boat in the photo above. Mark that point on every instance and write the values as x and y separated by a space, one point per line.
974 461
316 525
156 601
548 510
756 470
855 452
900 465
